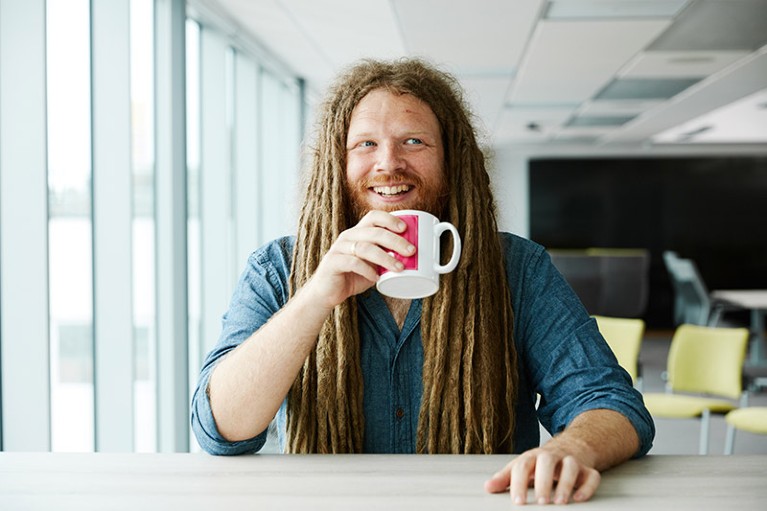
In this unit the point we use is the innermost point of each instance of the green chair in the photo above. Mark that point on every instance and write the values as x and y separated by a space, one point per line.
624 335
705 369
752 419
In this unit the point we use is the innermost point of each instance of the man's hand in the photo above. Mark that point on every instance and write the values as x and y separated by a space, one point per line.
351 265
567 467
555 475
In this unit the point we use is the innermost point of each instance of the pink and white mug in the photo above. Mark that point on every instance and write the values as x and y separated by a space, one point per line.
420 278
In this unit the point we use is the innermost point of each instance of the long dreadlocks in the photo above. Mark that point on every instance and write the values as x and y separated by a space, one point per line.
469 367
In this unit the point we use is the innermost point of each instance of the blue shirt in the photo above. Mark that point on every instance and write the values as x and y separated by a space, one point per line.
562 356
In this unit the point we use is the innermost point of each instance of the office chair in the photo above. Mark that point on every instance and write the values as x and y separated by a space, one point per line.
692 301
624 336
752 419
705 369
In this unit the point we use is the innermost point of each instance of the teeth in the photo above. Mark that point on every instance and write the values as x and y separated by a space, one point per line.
391 190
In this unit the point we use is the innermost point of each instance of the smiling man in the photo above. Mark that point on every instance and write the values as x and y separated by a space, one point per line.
307 338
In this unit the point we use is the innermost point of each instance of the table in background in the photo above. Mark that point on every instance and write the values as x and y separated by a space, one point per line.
147 482
754 300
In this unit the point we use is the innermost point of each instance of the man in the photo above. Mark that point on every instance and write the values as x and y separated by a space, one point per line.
309 340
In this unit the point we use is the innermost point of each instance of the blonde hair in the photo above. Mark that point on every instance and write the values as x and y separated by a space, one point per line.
469 366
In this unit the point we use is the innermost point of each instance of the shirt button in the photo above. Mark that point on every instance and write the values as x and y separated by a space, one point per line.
400 413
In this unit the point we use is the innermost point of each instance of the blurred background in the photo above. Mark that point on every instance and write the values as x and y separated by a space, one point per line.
148 146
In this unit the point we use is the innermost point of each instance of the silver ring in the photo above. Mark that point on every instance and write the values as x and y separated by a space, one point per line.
354 248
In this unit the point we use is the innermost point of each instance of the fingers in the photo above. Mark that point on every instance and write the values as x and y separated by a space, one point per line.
373 238
522 470
374 251
545 467
382 219
351 264
500 480
568 478
588 486
555 478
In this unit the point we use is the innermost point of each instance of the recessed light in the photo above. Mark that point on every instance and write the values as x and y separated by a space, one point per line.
704 59
610 9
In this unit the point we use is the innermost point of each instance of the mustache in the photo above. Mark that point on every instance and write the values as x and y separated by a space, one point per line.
388 178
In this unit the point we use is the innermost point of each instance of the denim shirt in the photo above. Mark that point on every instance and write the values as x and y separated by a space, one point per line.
565 366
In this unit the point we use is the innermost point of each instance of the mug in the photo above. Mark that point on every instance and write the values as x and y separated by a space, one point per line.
420 278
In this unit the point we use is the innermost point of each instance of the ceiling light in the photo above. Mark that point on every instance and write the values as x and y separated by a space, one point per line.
612 9
599 120
645 88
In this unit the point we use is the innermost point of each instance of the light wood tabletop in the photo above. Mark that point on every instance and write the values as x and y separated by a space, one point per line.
144 482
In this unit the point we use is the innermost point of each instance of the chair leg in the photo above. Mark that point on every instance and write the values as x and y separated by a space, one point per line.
704 425
729 444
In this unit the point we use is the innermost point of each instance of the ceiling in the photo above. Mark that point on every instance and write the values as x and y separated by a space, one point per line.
588 72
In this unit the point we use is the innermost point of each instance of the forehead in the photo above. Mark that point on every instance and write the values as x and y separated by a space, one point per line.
381 104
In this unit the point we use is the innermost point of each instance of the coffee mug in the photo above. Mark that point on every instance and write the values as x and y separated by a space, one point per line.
420 278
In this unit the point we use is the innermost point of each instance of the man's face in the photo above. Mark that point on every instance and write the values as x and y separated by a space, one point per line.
394 155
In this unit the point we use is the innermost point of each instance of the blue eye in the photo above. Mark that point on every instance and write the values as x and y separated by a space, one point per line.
367 143
414 141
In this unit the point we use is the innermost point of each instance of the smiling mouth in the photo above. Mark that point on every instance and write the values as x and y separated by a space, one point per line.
391 191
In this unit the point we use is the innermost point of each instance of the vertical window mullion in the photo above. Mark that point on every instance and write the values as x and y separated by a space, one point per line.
171 239
24 283
112 225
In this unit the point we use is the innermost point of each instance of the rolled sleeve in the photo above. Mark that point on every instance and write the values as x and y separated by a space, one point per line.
564 357
261 291
583 376
206 431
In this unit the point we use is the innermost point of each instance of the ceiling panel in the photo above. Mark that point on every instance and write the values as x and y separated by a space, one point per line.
606 121
744 120
334 26
602 9
679 64
519 67
272 26
746 77
480 36
556 69
531 124
717 25
486 96
645 88
624 107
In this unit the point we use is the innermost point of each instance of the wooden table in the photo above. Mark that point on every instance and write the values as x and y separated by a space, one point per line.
186 482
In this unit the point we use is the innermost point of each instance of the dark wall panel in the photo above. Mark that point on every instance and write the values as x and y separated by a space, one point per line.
712 210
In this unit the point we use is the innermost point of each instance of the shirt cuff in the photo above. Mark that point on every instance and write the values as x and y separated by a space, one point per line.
206 431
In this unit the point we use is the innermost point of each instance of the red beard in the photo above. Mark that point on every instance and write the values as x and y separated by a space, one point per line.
427 196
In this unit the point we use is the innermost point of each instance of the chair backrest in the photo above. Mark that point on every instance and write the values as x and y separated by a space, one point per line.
626 279
609 281
707 360
624 335
692 303
583 273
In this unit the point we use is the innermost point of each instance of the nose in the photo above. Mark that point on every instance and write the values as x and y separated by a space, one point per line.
390 157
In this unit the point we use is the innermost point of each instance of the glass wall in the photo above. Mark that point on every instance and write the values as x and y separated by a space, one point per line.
143 160
70 228
239 137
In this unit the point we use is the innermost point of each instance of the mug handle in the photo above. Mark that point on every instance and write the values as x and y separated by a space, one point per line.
453 262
